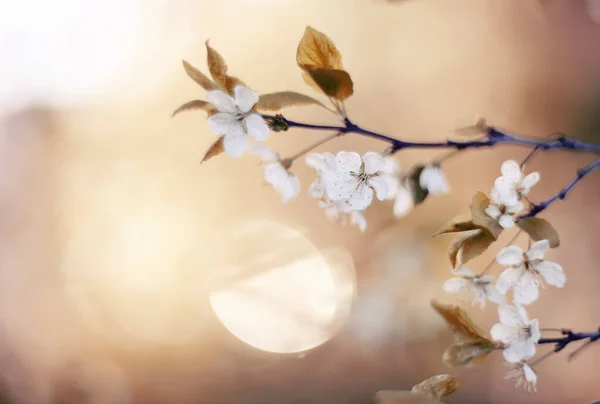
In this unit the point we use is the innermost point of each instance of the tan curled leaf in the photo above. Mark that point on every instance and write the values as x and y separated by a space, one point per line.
199 77
479 204
316 49
218 71
404 397
214 150
468 246
539 229
461 324
194 105
480 128
437 386
283 99
457 225
336 84
468 354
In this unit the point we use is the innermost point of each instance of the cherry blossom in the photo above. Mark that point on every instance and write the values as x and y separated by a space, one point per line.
480 286
512 185
503 207
235 119
277 174
357 178
524 375
517 332
524 270
432 179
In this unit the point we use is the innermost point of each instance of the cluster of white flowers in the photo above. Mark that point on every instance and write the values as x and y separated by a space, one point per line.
508 191
523 275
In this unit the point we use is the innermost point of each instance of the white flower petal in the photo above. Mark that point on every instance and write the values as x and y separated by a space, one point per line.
518 351
380 186
374 162
511 170
291 189
503 333
404 202
529 181
506 221
493 211
534 327
235 144
393 184
537 250
316 189
245 98
390 166
493 294
264 152
222 101
525 290
507 279
360 198
516 207
454 285
529 374
510 316
486 279
315 161
275 174
358 219
349 162
341 187
433 179
511 255
223 123
257 127
552 272
504 187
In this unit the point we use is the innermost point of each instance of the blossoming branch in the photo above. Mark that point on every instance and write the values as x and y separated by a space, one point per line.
347 183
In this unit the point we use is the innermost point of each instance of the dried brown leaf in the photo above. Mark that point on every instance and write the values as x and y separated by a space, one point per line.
218 71
480 128
336 84
214 150
461 324
458 224
539 229
199 77
283 99
403 397
437 386
317 50
468 246
194 105
479 204
468 354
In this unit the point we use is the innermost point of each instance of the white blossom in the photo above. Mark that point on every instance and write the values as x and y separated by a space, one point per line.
524 377
480 286
342 213
503 207
517 332
235 119
357 178
277 174
432 179
512 184
524 270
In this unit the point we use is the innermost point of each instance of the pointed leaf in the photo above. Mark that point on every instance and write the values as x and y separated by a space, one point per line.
317 50
468 246
463 327
437 386
214 150
539 229
218 71
479 204
283 99
468 354
457 225
199 77
193 105
334 83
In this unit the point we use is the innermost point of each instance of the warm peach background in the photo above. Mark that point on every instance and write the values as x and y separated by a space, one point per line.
90 315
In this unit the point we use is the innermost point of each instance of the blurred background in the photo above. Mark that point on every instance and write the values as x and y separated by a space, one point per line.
131 274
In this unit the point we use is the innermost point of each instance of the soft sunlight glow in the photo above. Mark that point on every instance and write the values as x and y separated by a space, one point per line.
285 296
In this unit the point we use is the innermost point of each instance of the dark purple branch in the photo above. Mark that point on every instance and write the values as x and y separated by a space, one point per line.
570 336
